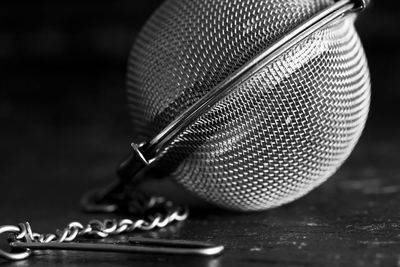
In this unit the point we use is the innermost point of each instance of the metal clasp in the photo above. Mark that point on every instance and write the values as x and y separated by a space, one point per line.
14 256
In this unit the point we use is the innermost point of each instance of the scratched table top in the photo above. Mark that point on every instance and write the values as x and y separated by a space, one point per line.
352 220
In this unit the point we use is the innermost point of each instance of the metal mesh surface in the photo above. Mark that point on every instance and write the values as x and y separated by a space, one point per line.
283 131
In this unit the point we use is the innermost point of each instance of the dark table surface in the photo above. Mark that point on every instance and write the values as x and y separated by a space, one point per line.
351 220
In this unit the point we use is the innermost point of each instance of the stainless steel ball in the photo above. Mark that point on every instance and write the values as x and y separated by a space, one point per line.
282 131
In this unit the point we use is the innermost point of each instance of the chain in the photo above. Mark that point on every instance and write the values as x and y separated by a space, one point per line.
108 227
160 213
100 229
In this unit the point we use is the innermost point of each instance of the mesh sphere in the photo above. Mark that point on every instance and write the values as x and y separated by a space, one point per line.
281 132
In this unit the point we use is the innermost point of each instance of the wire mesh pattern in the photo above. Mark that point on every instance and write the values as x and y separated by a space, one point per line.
188 47
283 131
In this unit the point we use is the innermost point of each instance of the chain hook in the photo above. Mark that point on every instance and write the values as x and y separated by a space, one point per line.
10 255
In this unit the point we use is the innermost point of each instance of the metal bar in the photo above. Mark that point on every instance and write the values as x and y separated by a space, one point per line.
148 246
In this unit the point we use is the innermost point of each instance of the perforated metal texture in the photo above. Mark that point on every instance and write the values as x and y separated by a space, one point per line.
189 46
283 131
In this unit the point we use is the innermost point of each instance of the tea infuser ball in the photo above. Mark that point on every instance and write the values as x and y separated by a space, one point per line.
253 103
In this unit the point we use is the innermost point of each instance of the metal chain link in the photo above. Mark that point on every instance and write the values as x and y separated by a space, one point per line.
108 227
165 213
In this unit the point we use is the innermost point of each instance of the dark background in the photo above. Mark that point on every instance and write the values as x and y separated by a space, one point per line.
64 126
63 62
